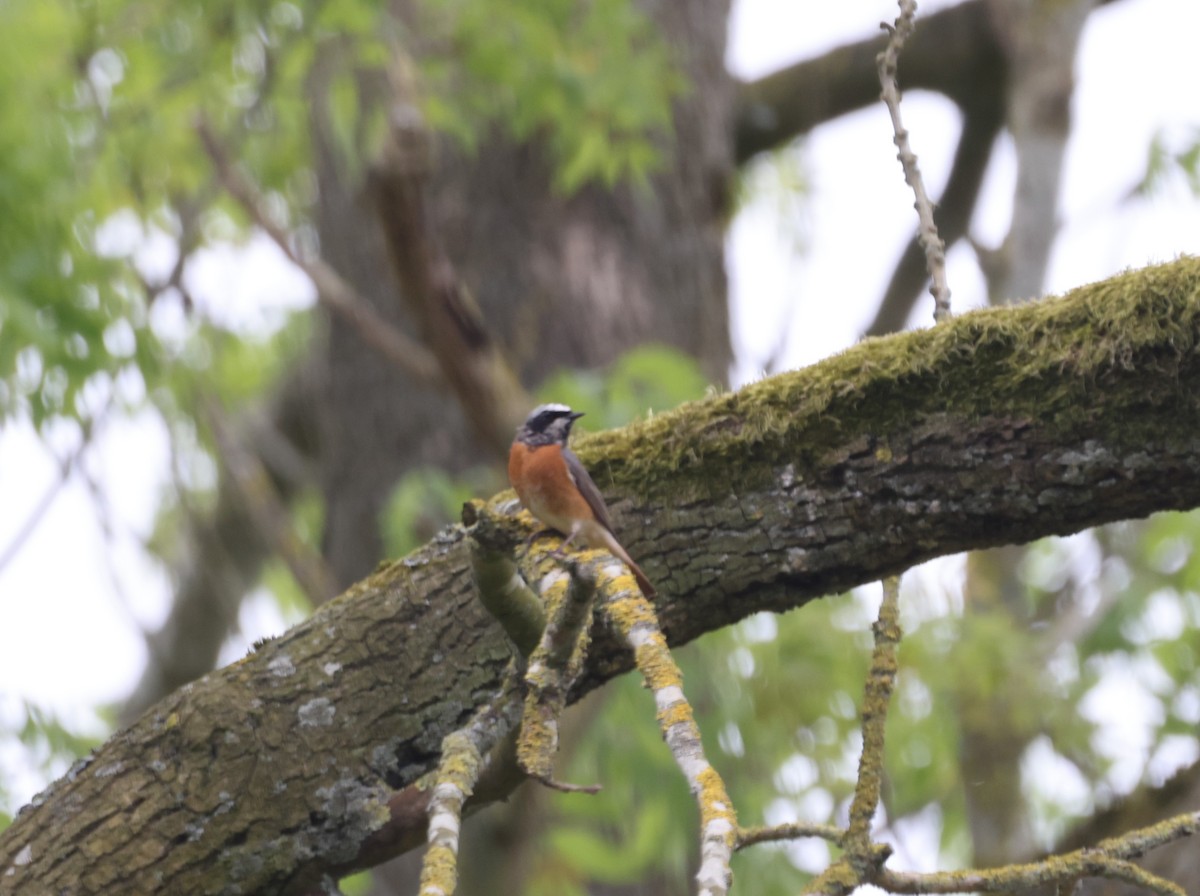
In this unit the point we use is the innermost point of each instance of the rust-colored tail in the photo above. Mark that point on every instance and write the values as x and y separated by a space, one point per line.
643 582
614 548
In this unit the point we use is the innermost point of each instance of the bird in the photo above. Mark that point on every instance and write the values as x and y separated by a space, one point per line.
555 487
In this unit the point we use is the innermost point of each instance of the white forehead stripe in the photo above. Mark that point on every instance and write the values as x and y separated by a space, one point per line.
560 408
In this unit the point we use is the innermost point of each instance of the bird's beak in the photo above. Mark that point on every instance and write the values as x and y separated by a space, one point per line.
575 415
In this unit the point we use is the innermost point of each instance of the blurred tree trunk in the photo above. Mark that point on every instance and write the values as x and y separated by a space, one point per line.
1040 39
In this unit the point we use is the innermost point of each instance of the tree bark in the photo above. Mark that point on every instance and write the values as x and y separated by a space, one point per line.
1002 426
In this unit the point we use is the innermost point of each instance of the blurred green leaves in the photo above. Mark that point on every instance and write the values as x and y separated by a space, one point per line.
1173 156
593 78
58 297
101 101
647 378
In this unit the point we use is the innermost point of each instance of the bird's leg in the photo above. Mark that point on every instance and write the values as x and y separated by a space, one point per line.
557 552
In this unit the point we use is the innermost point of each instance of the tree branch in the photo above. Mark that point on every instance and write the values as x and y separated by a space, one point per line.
955 52
227 550
931 243
998 426
487 388
332 291
955 208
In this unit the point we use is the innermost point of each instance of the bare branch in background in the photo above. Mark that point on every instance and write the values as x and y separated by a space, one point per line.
981 124
66 466
265 507
487 388
1042 40
225 549
332 291
935 249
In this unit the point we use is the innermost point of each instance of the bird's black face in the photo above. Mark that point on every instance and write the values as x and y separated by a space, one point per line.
548 424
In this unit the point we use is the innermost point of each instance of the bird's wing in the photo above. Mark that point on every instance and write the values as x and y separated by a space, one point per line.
587 488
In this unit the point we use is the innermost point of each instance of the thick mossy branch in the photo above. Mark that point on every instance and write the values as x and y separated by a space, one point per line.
1054 362
998 426
502 591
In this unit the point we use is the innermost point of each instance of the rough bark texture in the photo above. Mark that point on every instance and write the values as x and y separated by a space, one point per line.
1002 426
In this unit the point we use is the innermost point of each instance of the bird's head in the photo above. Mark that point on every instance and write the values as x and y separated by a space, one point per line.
547 424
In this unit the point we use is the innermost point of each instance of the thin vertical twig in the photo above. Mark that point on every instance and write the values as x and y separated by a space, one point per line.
863 857
931 242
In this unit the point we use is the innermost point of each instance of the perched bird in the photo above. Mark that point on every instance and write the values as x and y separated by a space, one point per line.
554 486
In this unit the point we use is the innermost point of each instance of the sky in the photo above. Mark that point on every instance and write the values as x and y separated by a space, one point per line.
79 592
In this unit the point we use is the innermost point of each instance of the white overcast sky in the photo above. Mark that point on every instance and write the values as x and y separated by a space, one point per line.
73 599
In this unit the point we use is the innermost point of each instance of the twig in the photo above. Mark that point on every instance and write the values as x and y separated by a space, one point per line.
264 507
881 681
553 668
634 620
863 858
464 755
1109 858
66 466
332 291
498 583
791 831
935 249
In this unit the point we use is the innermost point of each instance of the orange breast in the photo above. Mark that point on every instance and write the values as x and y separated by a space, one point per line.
545 487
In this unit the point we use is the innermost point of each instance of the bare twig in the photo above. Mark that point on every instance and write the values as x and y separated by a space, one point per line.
268 512
791 831
1109 858
66 466
39 511
864 858
935 249
332 291
881 681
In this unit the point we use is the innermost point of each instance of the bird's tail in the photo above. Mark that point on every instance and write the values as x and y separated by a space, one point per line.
614 548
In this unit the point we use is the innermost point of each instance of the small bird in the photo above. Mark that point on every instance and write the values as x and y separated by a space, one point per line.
554 486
